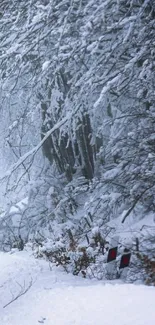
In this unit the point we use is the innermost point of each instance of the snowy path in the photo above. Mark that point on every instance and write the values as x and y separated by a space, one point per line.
56 298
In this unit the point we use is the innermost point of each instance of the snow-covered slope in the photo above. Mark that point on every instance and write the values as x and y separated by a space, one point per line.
56 298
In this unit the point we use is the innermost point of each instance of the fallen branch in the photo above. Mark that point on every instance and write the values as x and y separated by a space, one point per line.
21 293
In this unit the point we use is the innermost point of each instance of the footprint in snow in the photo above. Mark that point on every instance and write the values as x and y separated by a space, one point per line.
42 320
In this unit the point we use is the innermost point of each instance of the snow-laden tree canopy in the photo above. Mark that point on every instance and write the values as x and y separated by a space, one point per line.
77 81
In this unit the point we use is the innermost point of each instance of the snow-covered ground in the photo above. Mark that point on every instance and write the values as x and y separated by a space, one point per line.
56 298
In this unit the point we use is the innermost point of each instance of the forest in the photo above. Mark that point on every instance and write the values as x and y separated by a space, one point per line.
77 132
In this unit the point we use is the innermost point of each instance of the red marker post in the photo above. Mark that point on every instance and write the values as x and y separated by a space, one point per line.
125 260
111 258
112 254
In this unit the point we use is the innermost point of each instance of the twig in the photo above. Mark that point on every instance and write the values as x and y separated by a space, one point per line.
21 293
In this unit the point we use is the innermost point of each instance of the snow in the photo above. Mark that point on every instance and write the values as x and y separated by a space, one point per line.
106 88
35 149
20 206
110 174
45 65
61 299
134 226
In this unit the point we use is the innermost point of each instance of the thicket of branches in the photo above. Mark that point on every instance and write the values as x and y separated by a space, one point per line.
77 80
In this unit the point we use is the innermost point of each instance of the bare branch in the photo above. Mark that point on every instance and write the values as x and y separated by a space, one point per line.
36 148
135 203
23 291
